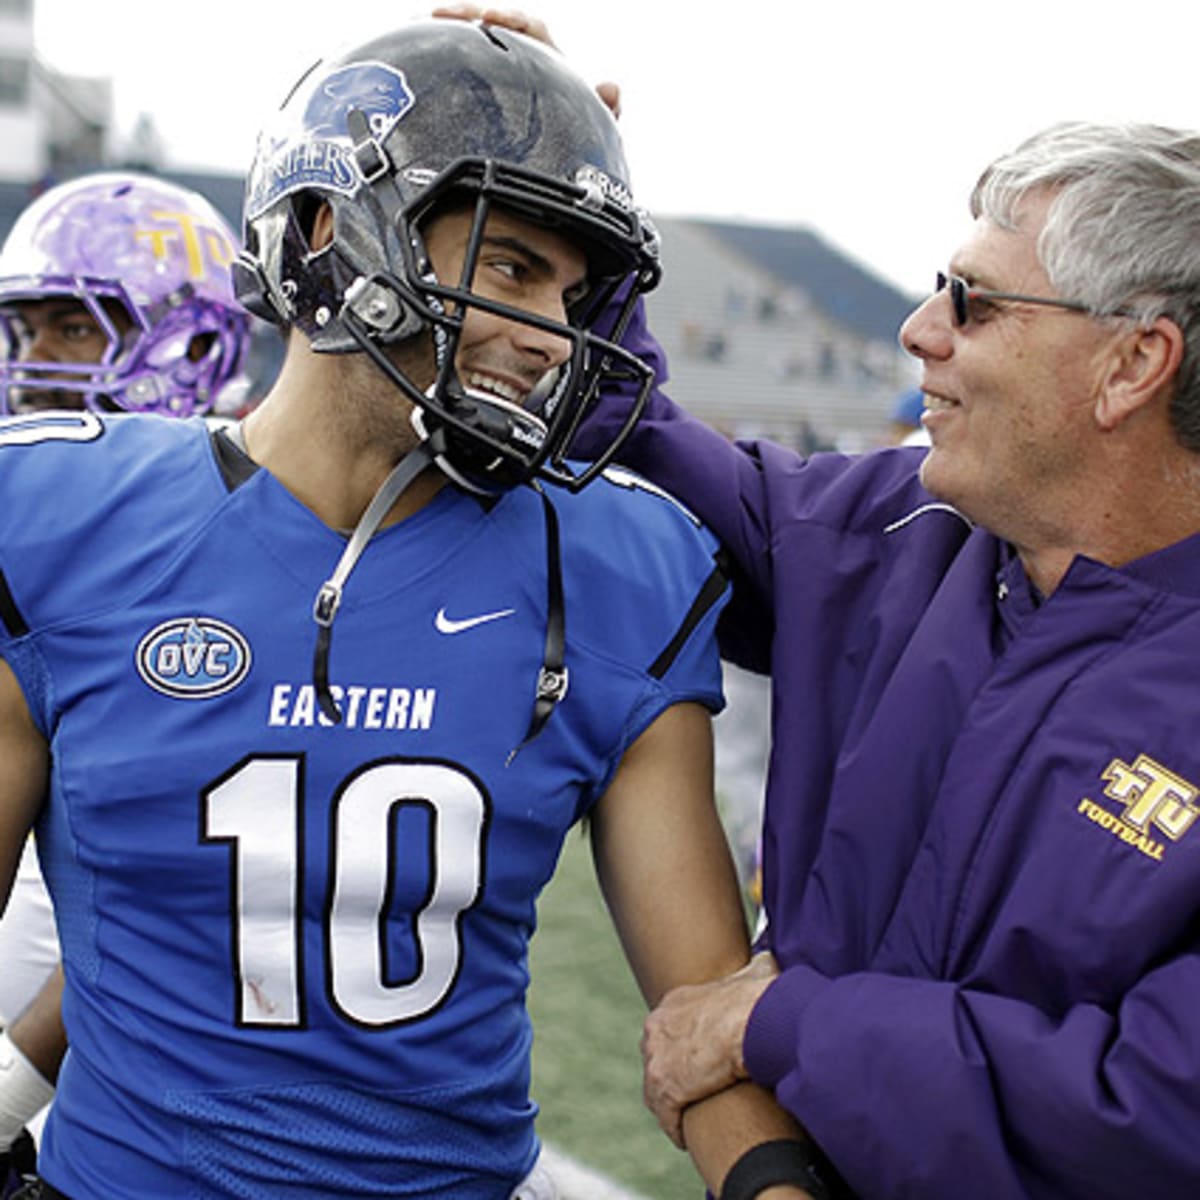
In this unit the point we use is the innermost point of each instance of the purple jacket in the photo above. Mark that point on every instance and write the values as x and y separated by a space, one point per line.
981 852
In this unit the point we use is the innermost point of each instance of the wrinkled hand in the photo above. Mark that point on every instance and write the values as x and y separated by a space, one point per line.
692 1042
534 27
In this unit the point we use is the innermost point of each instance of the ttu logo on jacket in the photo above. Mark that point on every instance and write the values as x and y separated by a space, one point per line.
1154 802
193 658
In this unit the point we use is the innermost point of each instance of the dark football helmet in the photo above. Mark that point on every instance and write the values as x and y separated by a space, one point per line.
147 262
443 112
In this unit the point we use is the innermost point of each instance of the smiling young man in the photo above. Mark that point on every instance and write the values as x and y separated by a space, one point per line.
981 847
317 700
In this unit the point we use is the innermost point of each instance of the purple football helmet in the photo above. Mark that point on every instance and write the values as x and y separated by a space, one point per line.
145 266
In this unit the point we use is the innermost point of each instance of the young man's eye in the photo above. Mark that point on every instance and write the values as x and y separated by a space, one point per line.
508 267
78 331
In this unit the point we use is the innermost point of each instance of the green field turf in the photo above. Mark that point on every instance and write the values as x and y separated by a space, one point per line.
587 1019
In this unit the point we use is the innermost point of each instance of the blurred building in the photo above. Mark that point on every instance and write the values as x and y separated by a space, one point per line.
51 125
771 330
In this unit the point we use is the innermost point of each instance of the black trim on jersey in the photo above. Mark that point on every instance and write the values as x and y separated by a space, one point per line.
713 589
10 614
235 464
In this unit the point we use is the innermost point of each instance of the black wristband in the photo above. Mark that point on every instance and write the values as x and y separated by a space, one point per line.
771 1163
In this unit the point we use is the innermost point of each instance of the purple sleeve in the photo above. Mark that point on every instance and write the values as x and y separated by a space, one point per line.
638 339
722 482
919 1088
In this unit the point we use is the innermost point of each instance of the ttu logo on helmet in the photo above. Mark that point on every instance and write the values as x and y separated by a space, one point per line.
319 152
193 658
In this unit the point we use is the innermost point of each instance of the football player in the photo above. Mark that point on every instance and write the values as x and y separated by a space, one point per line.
115 293
324 693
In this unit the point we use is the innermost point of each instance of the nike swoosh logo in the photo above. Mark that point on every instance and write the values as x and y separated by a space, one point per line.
445 624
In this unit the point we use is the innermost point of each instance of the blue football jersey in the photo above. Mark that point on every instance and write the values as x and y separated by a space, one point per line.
295 950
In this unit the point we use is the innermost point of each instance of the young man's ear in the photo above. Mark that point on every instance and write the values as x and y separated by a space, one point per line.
1144 365
322 227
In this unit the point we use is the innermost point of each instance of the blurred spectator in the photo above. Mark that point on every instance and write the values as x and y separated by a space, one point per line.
904 427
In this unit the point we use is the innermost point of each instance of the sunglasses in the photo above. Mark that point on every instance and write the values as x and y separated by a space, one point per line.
962 293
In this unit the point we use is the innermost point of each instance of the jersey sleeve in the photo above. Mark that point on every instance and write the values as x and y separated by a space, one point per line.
645 588
91 509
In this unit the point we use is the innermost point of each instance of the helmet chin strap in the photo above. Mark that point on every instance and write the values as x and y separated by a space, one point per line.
329 598
553 677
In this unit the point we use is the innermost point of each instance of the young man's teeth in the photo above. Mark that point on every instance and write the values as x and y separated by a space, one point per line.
495 387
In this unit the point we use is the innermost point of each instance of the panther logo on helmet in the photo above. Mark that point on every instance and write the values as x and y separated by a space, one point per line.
379 91
321 156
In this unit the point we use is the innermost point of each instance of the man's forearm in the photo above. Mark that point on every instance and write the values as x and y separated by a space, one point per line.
720 1129
38 1032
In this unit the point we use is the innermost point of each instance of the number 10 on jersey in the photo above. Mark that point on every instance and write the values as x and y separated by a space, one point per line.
257 809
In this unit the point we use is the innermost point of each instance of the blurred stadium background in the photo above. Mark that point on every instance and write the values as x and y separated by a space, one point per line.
769 331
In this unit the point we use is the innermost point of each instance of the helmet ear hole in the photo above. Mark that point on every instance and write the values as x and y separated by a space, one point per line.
314 217
200 345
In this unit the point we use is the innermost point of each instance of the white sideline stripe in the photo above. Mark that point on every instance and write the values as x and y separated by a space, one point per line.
577 1182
